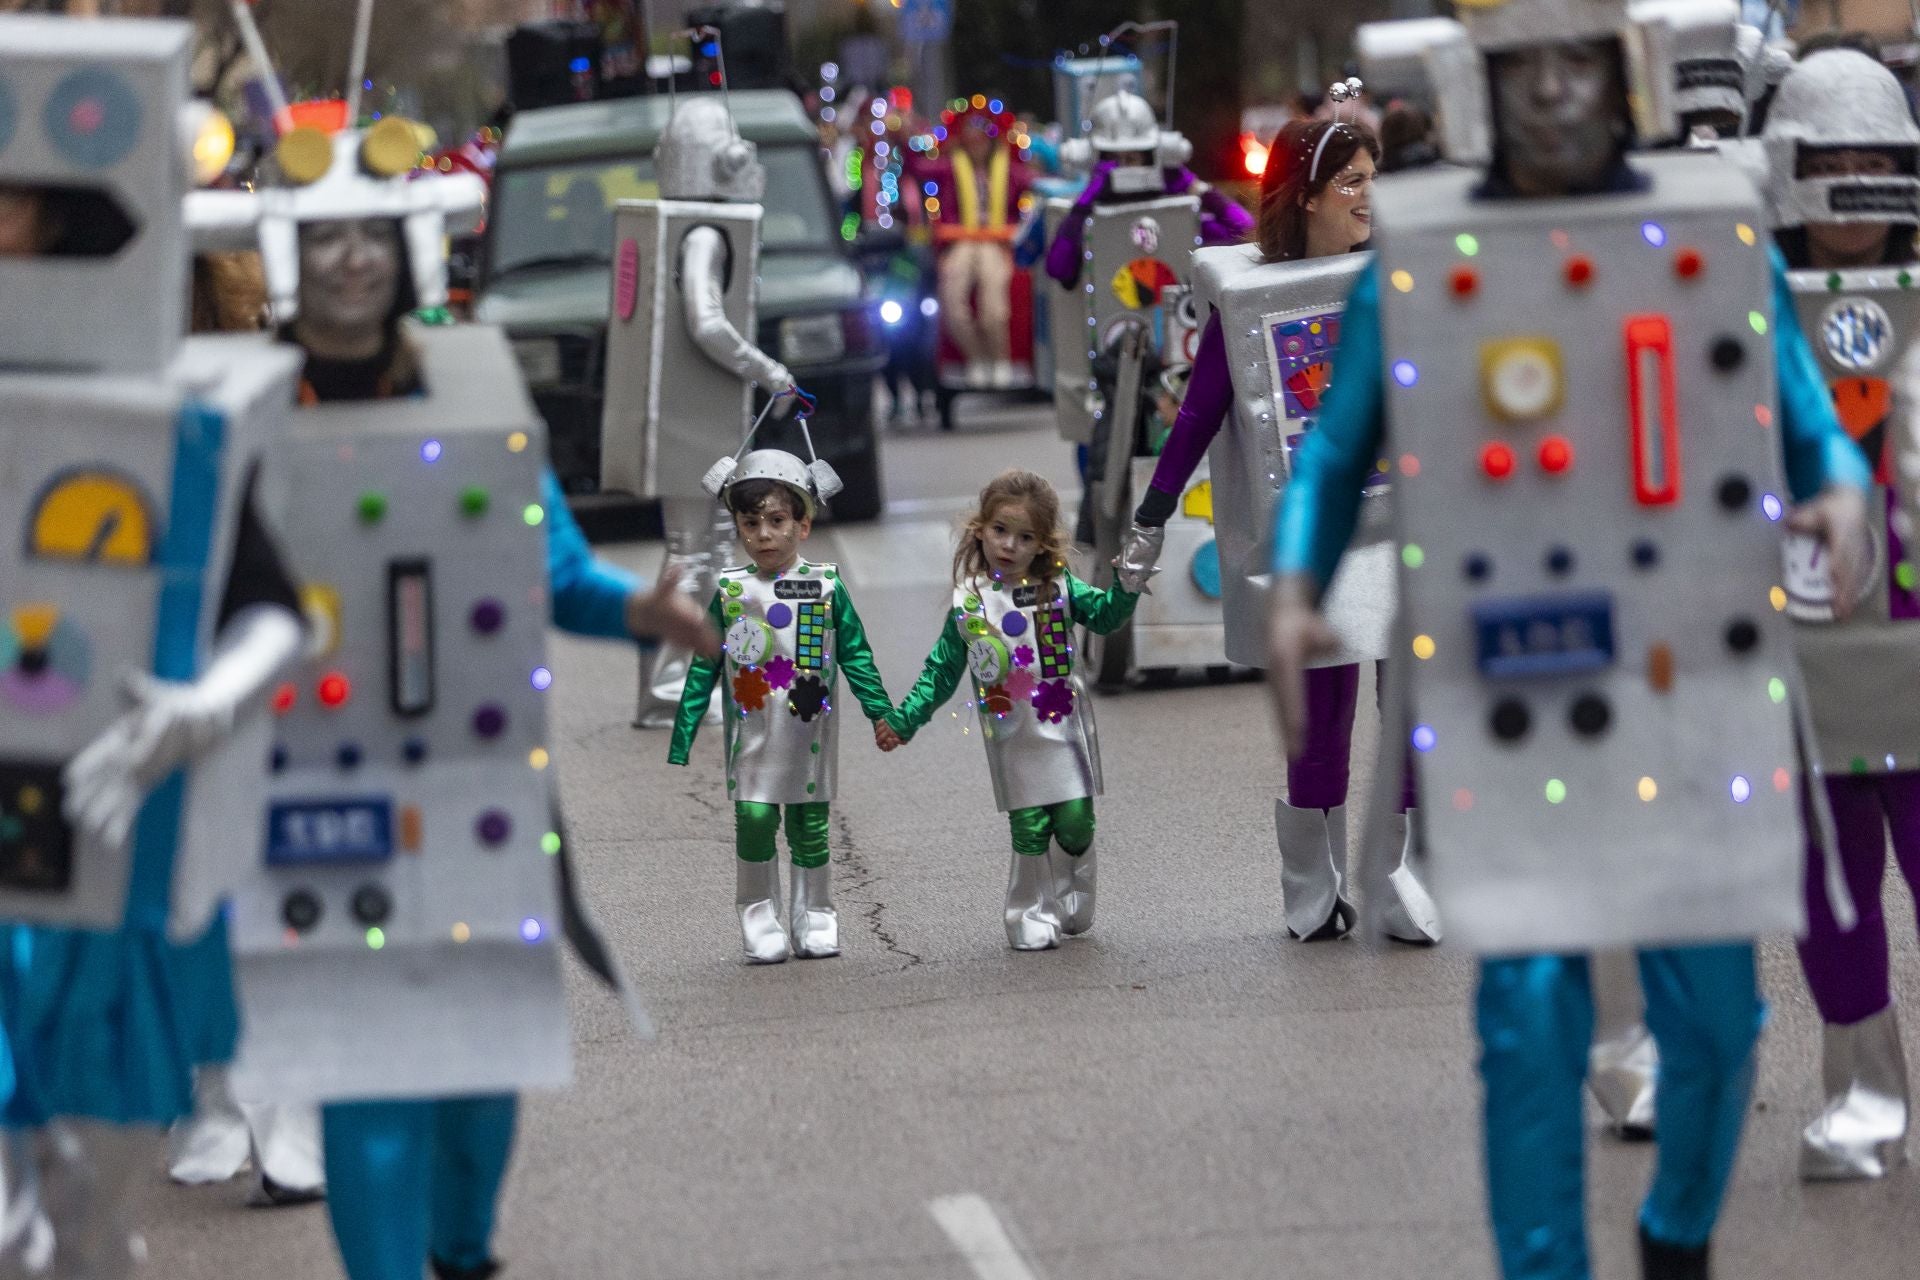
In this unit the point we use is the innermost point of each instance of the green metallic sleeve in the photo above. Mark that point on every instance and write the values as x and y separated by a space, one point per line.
1102 612
702 673
855 656
938 679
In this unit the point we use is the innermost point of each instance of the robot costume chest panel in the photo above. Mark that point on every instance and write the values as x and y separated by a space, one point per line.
670 410
1582 416
123 497
783 737
1035 716
1135 278
1281 326
398 933
1861 325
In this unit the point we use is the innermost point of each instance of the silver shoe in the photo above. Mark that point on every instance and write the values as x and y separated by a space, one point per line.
1033 916
1410 915
1313 870
756 896
1863 1131
816 926
1621 1071
1074 879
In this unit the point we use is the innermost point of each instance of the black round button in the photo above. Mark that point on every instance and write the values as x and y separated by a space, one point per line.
1742 635
1646 554
1728 353
414 749
1590 715
1511 720
278 761
301 911
1560 561
347 756
1478 567
1735 492
371 905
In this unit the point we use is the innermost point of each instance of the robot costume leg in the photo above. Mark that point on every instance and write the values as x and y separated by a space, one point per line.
1310 824
698 532
473 1143
1623 1062
1535 1018
1032 909
815 924
212 1144
1411 915
1705 1011
286 1152
756 884
79 1211
1071 855
1863 1131
380 1184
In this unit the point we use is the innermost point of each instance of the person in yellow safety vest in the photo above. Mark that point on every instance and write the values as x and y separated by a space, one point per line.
973 194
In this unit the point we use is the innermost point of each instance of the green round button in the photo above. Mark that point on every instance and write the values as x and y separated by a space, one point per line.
473 501
972 602
810 788
805 569
372 507
830 575
978 626
732 588
734 609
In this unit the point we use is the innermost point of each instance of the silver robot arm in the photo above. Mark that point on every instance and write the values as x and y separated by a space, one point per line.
702 273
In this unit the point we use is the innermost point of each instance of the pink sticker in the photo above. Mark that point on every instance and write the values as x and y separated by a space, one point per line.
626 278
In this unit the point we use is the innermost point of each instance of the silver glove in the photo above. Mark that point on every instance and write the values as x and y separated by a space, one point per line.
1139 557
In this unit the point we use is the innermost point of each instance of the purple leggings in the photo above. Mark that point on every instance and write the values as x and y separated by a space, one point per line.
1847 971
1317 778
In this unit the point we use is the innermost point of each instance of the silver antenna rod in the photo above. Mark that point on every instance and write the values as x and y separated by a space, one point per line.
263 66
357 67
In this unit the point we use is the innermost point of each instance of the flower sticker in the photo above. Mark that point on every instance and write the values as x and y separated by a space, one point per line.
997 701
779 671
750 690
1053 701
1021 683
1023 656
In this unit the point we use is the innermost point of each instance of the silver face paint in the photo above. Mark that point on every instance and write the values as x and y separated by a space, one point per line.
1560 110
349 273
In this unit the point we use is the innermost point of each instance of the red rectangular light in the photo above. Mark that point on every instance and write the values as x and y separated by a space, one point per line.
1653 411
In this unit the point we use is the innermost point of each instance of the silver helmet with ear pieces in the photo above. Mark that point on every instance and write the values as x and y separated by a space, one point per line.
826 481
1837 100
1123 123
785 469
701 157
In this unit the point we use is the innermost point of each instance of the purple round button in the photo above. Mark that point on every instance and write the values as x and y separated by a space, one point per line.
488 616
1014 624
494 827
490 720
779 614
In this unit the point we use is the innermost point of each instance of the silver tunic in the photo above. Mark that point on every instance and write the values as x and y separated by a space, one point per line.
1035 716
783 738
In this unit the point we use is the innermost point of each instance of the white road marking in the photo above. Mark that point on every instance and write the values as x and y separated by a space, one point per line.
982 1239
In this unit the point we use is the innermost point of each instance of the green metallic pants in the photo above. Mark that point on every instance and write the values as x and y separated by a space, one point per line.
755 825
1070 822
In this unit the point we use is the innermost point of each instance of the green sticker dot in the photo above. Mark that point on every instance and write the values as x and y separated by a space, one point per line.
996 585
810 788
1858 764
1905 279
473 501
816 748
805 569
831 575
731 784
1833 282
1906 575
372 507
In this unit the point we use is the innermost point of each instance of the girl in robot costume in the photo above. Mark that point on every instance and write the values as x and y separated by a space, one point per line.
1015 605
1314 203
791 631
1560 129
103 1032
415 1182
1840 115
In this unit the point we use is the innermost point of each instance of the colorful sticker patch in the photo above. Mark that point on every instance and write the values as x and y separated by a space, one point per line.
1056 643
750 690
808 699
811 646
1053 701
1303 361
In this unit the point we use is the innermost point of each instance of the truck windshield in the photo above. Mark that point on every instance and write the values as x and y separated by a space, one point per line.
562 215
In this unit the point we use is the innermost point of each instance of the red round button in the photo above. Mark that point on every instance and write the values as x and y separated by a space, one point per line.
1556 455
333 690
283 699
1496 459
1688 263
1465 282
1579 271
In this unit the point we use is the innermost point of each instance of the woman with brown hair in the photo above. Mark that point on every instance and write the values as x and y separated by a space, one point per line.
1315 203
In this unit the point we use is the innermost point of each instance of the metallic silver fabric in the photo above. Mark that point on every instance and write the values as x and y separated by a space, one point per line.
756 896
700 537
700 155
1035 719
1313 870
1139 557
1033 911
1075 878
816 925
1410 915
223 1133
73 1200
786 749
1863 1131
1623 1060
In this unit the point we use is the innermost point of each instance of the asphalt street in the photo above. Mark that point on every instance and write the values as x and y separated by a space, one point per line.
1182 1093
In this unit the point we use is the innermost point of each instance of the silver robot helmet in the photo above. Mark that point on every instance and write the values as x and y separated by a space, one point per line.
815 482
1124 124
701 156
1840 99
1710 65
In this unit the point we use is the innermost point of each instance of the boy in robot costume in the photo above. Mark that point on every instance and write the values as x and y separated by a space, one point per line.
1842 145
144 614
1537 92
417 1128
688 383
791 631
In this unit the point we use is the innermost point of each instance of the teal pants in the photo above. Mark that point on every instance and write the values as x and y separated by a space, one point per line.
1070 822
1535 1016
808 829
409 1178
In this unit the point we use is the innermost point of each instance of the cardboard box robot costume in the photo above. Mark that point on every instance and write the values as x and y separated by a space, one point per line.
125 456
1584 375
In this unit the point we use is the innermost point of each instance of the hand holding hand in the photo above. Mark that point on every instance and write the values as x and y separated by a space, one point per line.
667 613
1296 635
885 737
1837 516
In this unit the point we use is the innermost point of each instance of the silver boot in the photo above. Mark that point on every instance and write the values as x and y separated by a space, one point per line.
816 926
1074 877
1033 916
1623 1060
756 895
1863 1131
1313 870
1410 915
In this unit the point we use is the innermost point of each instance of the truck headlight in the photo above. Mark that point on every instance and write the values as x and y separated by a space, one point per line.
815 339
539 360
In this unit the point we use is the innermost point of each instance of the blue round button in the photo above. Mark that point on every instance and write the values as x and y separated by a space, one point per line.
1014 624
93 118
1206 570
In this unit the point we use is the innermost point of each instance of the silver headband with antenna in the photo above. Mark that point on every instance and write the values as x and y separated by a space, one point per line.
1339 93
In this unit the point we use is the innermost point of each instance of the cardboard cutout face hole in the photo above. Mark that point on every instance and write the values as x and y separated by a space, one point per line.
62 222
